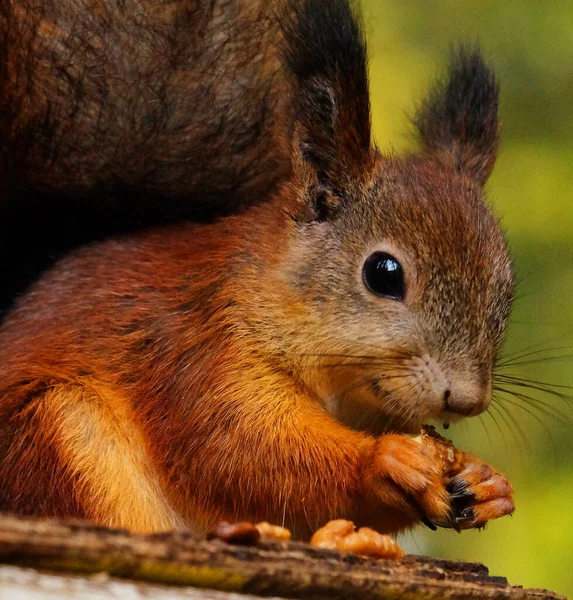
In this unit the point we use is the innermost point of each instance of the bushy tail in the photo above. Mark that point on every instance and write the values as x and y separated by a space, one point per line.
121 115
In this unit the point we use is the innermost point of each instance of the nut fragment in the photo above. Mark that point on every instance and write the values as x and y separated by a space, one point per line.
242 533
273 532
330 535
341 535
478 492
443 449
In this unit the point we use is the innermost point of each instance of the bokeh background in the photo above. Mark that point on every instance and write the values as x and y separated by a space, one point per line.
530 44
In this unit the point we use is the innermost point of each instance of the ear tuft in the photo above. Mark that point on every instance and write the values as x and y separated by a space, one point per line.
325 50
459 121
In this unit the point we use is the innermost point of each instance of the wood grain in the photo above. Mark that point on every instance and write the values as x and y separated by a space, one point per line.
287 570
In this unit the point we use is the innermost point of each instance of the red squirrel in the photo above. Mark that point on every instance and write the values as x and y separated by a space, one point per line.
273 363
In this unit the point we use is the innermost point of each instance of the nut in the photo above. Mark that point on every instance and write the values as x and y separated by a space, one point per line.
341 535
273 532
242 533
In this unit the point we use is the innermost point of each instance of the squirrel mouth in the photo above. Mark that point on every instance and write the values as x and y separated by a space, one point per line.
392 415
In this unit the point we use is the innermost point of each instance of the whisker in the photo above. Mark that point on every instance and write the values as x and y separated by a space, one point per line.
525 387
482 421
543 407
509 425
542 386
518 358
533 361
525 393
536 417
404 410
362 382
361 364
501 431
517 427
389 401
389 355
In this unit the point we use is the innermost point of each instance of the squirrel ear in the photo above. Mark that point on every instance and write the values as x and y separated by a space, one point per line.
326 54
459 120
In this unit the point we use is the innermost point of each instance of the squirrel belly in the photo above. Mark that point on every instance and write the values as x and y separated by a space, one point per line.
272 364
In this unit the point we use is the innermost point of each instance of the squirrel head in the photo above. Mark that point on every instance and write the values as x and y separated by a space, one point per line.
396 269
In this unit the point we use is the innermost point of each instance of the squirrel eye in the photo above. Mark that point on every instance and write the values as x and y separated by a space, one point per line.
383 275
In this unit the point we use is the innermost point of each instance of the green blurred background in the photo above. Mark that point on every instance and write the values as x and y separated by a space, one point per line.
530 44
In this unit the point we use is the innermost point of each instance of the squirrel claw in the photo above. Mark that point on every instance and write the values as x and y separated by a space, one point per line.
461 498
465 516
478 494
429 523
459 489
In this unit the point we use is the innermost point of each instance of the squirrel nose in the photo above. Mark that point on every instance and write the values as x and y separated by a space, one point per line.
451 405
465 399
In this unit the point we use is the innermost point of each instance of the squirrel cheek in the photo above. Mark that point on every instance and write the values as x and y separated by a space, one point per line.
432 386
419 391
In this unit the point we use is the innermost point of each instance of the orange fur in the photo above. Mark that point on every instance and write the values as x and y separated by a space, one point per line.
244 368
195 424
98 440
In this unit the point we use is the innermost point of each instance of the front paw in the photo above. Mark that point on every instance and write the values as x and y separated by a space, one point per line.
405 482
478 494
427 479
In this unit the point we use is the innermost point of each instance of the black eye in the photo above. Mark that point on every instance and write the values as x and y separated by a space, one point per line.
383 275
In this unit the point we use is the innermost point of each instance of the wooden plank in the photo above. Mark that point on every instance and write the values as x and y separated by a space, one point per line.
18 583
288 570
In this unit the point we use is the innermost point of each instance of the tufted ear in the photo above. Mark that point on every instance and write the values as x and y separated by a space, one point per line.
326 54
459 122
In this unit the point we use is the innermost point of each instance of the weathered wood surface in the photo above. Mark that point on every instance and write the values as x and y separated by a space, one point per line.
286 570
17 583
